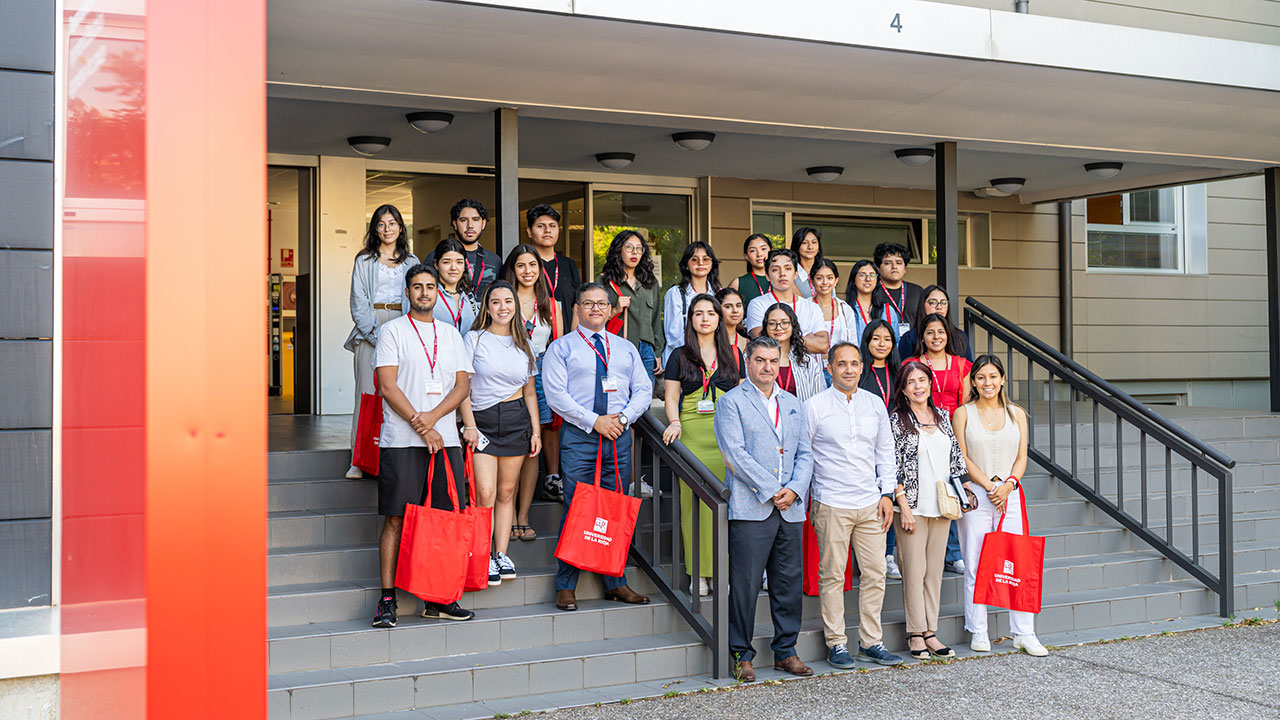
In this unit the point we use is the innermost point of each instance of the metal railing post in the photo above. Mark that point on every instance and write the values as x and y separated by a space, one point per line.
1226 548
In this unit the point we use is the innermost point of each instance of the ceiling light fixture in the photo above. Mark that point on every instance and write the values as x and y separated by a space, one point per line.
368 144
1009 185
429 121
825 173
693 140
615 160
1104 169
914 156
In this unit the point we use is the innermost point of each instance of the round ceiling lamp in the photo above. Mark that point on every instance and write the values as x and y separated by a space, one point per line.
368 144
1104 169
914 156
429 121
615 160
825 173
693 140
1009 185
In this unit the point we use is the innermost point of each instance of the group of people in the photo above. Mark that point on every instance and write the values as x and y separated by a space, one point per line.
866 415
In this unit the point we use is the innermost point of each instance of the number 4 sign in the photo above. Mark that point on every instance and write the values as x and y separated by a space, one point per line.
896 23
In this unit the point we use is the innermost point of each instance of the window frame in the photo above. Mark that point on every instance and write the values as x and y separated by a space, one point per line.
1178 228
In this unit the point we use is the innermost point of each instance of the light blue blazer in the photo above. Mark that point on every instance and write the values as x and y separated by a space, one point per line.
364 282
750 449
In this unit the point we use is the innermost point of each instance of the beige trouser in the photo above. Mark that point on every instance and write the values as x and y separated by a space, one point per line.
364 368
836 528
923 553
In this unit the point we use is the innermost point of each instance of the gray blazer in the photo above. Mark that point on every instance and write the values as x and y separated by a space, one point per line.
364 282
750 449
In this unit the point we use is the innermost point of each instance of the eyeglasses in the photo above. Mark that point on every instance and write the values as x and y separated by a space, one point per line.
600 304
632 247
866 276
937 303
777 324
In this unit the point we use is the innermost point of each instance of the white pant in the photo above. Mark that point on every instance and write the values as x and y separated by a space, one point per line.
974 525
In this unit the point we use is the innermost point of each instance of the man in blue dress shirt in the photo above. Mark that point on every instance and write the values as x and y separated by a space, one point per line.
596 381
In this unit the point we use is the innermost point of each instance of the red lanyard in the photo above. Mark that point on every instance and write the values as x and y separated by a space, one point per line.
896 306
946 371
777 416
481 277
755 280
457 318
885 386
553 283
865 317
607 352
435 337
736 362
793 300
706 378
831 336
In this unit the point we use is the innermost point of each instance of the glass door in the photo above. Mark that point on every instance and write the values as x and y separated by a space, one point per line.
664 219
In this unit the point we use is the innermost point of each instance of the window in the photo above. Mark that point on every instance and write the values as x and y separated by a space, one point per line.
852 233
1143 230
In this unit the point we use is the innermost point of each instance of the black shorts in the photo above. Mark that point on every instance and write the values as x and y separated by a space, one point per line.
507 427
402 479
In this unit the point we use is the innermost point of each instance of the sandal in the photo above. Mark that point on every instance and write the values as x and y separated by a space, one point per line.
527 532
917 654
943 652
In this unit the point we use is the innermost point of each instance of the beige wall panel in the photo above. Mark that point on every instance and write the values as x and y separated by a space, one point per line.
1116 366
1237 287
1041 311
1239 237
1248 188
740 188
1233 210
730 213
1237 262
727 242
828 193
1237 365
1236 312
731 268
1037 227
1135 285
1179 365
903 198
1039 255
1004 226
1147 312
1004 253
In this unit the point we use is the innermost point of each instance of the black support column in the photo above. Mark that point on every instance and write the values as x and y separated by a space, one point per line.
1066 319
1272 180
506 162
947 219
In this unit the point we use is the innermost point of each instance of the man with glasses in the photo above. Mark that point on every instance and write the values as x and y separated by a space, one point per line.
781 268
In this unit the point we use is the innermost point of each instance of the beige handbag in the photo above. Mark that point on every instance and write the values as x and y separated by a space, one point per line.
948 502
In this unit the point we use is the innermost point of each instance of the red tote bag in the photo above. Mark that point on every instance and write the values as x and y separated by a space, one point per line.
435 546
598 528
617 325
478 564
809 547
1011 567
368 431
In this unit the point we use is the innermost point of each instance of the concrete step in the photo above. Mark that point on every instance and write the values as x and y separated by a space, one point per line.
320 493
308 464
357 525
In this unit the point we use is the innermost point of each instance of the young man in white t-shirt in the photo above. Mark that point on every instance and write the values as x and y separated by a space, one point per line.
781 269
422 368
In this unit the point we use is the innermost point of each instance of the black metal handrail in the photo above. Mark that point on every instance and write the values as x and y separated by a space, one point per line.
657 544
1176 441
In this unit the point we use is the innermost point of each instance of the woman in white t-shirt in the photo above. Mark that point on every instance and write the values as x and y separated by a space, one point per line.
499 417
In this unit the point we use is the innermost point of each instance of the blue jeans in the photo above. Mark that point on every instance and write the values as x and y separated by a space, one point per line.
953 543
544 410
647 357
578 464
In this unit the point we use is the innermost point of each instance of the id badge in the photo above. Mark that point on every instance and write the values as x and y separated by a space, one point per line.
903 329
435 386
706 407
609 384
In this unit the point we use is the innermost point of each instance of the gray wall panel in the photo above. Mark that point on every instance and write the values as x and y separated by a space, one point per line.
26 294
26 34
26 204
25 563
26 384
26 475
26 115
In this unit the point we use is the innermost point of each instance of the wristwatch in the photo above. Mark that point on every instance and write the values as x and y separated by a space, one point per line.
622 418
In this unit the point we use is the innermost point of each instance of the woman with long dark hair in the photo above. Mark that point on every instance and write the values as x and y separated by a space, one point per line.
733 310
539 312
939 349
629 280
837 316
862 298
935 301
705 367
755 282
799 372
806 243
928 459
376 297
500 414
699 275
456 294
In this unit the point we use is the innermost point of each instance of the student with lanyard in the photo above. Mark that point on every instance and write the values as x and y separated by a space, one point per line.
457 300
880 372
560 270
755 282
934 300
523 270
594 379
732 313
633 289
499 417
806 243
836 313
892 290
782 274
859 295
469 218
699 275
799 371
704 368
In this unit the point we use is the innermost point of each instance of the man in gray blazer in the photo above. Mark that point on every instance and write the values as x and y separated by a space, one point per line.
768 466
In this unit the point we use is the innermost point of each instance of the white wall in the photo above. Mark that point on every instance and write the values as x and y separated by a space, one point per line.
341 235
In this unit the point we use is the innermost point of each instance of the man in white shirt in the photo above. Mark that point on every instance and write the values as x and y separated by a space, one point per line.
781 268
854 474
422 368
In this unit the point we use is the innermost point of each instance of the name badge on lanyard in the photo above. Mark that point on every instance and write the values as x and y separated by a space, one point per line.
903 329
706 406
435 386
609 384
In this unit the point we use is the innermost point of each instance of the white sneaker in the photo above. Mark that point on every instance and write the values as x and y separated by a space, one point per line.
1030 644
646 490
764 581
980 642
355 473
506 568
891 568
956 567
704 587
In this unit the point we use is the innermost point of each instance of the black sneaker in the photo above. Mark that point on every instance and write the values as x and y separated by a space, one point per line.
452 611
385 617
554 487
495 576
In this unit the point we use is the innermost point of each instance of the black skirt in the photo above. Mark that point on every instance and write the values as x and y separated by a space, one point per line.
506 425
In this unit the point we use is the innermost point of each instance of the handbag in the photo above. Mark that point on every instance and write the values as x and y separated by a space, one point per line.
599 525
366 453
948 501
1011 567
618 324
812 557
435 546
478 564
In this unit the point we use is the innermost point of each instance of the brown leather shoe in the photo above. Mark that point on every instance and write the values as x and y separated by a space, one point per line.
565 600
626 595
744 671
793 666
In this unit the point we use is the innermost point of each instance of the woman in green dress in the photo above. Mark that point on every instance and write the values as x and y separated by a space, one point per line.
696 375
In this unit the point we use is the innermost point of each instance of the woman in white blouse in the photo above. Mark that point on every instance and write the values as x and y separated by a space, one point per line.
837 316
699 274
377 296
500 415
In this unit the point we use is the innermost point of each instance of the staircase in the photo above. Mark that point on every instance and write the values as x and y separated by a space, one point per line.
520 653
